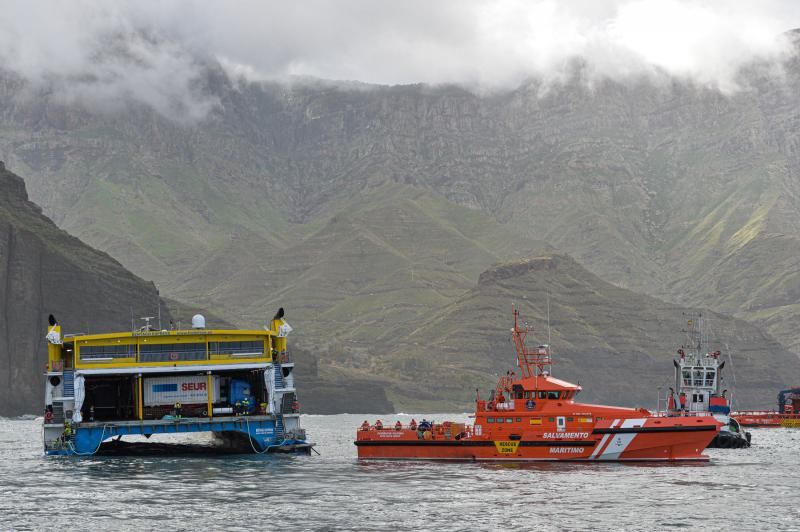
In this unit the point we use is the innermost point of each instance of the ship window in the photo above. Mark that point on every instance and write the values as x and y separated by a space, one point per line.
490 420
519 419
542 395
499 420
687 377
569 419
90 353
710 374
509 420
551 419
172 352
698 377
255 348
553 395
697 397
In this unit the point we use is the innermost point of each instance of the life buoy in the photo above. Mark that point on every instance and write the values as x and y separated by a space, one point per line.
48 416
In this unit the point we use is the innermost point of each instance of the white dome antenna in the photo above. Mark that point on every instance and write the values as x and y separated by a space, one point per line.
198 321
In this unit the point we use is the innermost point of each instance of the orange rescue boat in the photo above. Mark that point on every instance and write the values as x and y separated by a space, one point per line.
534 417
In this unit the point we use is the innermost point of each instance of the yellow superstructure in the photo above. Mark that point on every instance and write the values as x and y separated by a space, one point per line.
165 348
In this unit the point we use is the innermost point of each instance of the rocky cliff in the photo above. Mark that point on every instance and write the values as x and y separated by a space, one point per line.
44 270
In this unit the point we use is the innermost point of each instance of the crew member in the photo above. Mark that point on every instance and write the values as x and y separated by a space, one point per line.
413 424
178 409
671 400
378 425
683 400
398 426
365 425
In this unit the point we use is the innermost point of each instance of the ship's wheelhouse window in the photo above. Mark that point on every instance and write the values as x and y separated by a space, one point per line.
542 395
490 420
172 352
527 395
519 395
551 419
710 374
519 420
698 377
500 420
509 420
255 348
553 395
687 377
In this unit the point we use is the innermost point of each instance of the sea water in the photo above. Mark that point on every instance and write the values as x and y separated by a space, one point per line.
740 489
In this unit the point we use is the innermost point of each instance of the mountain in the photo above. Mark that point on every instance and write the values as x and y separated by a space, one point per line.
44 270
369 208
618 344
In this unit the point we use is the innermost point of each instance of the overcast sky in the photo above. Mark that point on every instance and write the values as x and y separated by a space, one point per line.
149 49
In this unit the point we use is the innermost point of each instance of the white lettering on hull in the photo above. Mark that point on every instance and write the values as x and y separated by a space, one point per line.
565 435
566 450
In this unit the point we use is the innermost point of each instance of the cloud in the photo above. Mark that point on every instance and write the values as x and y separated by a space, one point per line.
155 51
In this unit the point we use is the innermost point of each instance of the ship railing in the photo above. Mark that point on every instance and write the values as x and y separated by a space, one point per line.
680 413
765 413
439 431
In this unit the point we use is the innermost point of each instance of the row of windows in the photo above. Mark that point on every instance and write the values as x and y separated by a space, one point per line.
255 347
542 395
170 352
511 419
502 420
92 352
699 377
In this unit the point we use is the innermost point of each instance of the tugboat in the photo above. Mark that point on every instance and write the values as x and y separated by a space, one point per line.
698 388
236 384
534 417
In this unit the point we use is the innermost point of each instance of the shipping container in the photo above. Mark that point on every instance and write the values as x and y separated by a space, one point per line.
186 389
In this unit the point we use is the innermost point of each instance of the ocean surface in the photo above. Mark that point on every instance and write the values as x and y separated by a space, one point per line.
747 489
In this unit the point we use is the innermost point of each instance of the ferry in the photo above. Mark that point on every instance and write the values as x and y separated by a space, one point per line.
698 387
236 384
787 415
535 417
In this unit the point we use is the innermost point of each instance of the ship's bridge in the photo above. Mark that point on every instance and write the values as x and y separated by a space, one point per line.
159 350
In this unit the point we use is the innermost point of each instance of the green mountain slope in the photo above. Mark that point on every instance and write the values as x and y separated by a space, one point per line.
618 344
367 207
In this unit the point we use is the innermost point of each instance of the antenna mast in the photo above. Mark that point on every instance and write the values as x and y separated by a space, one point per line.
548 319
531 363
